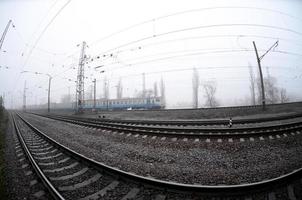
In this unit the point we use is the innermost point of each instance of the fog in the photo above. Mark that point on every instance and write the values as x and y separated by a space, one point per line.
161 39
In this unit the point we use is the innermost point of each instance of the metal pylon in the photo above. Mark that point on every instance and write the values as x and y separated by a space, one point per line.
80 80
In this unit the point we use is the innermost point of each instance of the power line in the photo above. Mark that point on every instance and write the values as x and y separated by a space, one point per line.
196 28
215 51
41 34
190 11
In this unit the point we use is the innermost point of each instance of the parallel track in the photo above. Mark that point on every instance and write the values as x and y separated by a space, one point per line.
53 163
290 127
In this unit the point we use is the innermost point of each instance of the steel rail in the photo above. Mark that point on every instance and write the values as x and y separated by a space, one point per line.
51 189
197 122
174 186
188 132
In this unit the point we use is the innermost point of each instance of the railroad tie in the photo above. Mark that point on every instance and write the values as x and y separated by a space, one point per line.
28 173
24 166
20 154
39 194
160 197
271 196
291 194
62 168
33 182
49 157
47 152
80 185
131 194
69 176
102 192
18 150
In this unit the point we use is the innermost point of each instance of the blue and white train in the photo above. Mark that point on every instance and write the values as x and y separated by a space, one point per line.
125 103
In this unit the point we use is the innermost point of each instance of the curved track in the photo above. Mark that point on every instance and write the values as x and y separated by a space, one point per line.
69 175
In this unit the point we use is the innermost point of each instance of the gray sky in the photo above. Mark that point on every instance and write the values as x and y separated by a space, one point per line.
169 39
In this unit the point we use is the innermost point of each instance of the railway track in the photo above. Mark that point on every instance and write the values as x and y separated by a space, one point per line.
189 123
69 175
211 122
268 130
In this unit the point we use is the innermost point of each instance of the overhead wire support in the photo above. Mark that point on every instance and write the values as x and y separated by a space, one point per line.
80 80
4 33
260 70
273 46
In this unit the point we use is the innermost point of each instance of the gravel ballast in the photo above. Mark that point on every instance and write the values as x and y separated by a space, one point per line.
204 163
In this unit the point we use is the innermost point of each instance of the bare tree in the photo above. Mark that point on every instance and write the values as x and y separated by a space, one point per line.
163 92
1 102
210 91
119 89
283 96
273 94
272 90
252 85
155 89
195 87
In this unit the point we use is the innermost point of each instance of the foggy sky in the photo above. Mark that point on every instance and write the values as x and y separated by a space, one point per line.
213 36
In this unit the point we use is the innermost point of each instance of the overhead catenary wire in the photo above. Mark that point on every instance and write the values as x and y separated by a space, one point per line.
190 11
40 36
200 27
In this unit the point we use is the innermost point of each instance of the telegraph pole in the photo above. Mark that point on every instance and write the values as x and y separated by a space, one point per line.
4 33
260 71
144 86
24 97
94 94
80 80
49 81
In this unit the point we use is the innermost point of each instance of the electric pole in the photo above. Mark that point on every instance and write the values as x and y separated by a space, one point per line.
144 86
94 94
24 97
260 71
4 33
80 80
49 82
